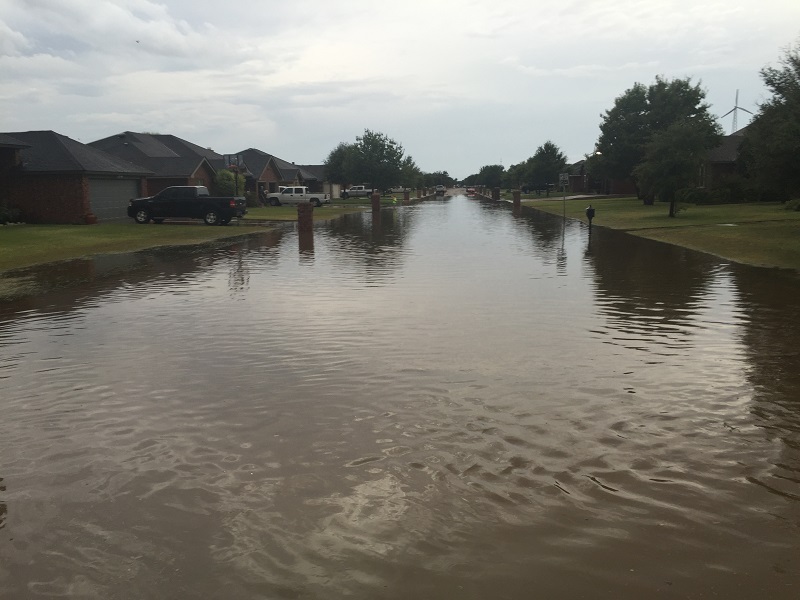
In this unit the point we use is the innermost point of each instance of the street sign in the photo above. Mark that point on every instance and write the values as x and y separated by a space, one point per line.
563 179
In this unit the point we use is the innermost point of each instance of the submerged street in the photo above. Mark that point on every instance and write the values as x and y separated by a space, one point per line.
445 401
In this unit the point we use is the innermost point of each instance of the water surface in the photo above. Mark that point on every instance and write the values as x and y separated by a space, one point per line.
447 401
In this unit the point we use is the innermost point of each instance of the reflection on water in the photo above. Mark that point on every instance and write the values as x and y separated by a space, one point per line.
445 400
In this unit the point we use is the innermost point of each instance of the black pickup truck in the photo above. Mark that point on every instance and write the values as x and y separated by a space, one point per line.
186 201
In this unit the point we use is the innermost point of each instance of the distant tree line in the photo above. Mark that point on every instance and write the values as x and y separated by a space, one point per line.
380 162
656 136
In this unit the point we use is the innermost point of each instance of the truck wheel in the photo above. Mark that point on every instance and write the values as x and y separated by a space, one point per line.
211 217
274 202
142 216
316 203
345 195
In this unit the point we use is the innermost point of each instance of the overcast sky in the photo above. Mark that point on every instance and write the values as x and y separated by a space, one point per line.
459 83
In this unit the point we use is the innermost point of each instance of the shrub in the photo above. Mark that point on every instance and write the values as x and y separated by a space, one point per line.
693 196
250 200
9 215
793 205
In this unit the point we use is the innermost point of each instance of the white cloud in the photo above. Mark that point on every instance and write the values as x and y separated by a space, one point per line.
458 83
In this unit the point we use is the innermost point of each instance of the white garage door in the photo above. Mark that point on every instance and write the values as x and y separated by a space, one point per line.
109 197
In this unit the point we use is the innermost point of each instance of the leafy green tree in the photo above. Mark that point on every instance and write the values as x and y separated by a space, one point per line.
410 174
515 176
337 162
545 165
375 159
437 178
672 161
490 176
771 148
624 133
228 183
640 114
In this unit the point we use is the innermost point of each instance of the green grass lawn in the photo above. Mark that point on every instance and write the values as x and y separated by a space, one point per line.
762 234
25 245
758 234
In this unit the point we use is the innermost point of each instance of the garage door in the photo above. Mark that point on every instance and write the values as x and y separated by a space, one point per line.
109 197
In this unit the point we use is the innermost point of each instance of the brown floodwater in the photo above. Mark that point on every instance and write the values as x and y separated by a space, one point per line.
449 401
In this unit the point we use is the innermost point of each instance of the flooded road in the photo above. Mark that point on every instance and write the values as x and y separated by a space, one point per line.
447 402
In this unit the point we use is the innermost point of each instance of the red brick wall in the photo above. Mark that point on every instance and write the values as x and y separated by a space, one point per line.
58 199
156 185
204 175
8 160
271 178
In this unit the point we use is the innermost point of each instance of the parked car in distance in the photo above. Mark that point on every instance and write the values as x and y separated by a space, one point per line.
470 191
399 189
296 195
187 201
357 190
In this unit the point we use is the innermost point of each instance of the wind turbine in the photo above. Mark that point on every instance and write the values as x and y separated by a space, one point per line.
735 108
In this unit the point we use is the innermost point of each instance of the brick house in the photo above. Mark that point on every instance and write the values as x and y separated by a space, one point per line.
266 173
721 163
51 178
171 160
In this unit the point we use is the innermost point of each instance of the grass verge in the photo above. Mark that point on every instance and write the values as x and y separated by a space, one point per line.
26 245
763 234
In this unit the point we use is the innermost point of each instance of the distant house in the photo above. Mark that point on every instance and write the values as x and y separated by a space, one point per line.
9 161
263 175
171 160
51 178
583 182
721 162
267 173
318 171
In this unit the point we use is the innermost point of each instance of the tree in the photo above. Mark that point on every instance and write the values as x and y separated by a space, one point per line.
337 161
490 176
629 130
672 160
771 148
374 159
228 183
623 134
515 176
410 174
545 165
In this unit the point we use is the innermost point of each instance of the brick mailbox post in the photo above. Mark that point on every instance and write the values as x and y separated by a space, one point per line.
305 216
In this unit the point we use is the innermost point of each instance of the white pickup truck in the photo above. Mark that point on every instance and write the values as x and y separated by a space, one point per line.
297 195
357 190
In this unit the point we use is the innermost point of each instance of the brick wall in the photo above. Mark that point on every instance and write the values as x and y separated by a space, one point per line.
202 176
59 199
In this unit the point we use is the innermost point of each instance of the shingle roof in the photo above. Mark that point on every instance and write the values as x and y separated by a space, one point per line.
315 171
728 149
6 141
51 152
164 155
257 161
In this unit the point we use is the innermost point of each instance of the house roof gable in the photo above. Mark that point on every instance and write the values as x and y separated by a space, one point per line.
51 152
164 155
6 141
